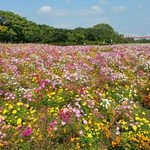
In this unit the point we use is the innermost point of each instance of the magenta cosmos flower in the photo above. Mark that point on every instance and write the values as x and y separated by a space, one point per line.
26 132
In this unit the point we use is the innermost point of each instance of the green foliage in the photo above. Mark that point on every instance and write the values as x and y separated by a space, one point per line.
17 29
3 28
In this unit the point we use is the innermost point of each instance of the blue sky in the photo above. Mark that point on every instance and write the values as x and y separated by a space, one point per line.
125 16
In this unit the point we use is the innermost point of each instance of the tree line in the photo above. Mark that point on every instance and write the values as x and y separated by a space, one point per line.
17 29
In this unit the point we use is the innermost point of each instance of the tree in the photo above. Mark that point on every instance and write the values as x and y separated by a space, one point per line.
14 28
59 36
104 32
2 20
3 31
3 28
90 34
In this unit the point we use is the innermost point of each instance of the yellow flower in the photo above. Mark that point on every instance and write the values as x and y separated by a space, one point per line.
31 108
53 93
90 122
77 139
87 128
87 91
27 105
29 125
89 135
141 123
64 130
34 120
33 111
1 144
91 96
14 111
84 103
137 118
126 128
130 95
60 90
19 120
34 79
72 139
96 130
104 120
134 128
82 145
24 123
57 108
4 111
145 120
49 95
103 94
90 114
55 114
124 122
19 103
10 107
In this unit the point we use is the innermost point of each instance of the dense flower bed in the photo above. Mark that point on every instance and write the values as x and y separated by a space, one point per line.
74 97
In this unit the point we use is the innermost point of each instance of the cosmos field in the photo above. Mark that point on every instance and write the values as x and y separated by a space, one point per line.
74 97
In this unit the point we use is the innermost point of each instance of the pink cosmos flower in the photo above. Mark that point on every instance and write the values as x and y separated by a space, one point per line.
85 122
52 125
26 132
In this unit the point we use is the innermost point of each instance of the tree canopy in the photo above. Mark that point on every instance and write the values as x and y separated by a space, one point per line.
14 28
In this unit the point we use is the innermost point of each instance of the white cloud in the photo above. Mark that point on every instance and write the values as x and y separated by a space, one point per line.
93 10
119 9
51 11
97 9
45 10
